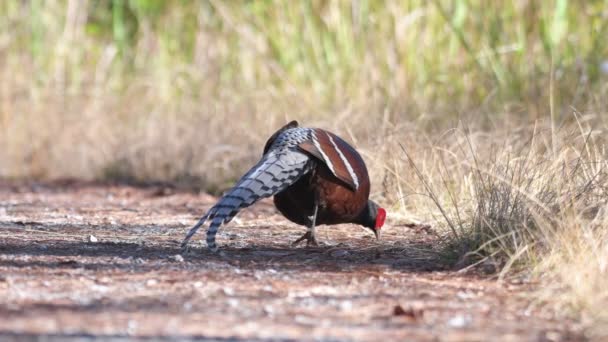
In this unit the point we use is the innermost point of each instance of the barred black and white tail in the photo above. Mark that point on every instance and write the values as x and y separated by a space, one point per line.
278 169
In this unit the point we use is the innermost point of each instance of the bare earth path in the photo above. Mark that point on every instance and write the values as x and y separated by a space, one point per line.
129 281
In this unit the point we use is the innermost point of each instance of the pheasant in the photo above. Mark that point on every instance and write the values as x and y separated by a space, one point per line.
316 178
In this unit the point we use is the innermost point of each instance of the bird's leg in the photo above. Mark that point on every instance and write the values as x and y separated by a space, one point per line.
312 239
310 236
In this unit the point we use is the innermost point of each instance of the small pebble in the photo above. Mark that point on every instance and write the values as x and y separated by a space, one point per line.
131 327
92 239
151 282
459 321
465 295
104 280
346 305
340 253
176 258
268 310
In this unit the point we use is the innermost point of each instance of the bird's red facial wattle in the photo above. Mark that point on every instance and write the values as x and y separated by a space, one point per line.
380 217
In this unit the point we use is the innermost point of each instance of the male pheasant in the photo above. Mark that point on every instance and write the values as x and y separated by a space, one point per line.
315 177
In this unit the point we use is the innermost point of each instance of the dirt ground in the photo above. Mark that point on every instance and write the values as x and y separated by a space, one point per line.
82 261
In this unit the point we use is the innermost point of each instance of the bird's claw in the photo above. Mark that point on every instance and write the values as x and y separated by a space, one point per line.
310 238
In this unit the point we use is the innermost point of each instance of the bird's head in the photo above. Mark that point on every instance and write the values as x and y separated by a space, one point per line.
373 217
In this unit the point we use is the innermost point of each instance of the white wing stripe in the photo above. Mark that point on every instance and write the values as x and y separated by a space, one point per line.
327 160
349 167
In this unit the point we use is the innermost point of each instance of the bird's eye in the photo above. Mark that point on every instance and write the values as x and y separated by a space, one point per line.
380 217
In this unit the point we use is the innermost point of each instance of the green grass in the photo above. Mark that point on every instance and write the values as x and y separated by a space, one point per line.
432 55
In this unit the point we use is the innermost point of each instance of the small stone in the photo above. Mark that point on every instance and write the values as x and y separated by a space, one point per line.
340 253
131 327
92 239
104 280
346 305
268 310
553 336
151 282
176 258
465 295
459 321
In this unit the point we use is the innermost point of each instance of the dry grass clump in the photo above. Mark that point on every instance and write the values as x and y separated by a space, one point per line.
509 183
532 197
574 272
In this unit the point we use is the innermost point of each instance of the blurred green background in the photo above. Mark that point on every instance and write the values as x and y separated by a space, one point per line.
144 88
463 53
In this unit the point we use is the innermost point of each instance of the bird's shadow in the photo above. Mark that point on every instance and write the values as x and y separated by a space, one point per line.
140 253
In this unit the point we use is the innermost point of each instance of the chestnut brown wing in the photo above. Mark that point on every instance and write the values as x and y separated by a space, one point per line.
340 158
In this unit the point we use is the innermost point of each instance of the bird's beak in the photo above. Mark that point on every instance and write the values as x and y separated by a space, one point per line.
377 233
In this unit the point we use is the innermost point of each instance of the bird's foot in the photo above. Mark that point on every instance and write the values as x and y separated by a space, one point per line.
310 238
186 250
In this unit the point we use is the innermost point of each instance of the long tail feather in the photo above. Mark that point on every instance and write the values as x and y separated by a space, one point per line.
193 230
275 172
